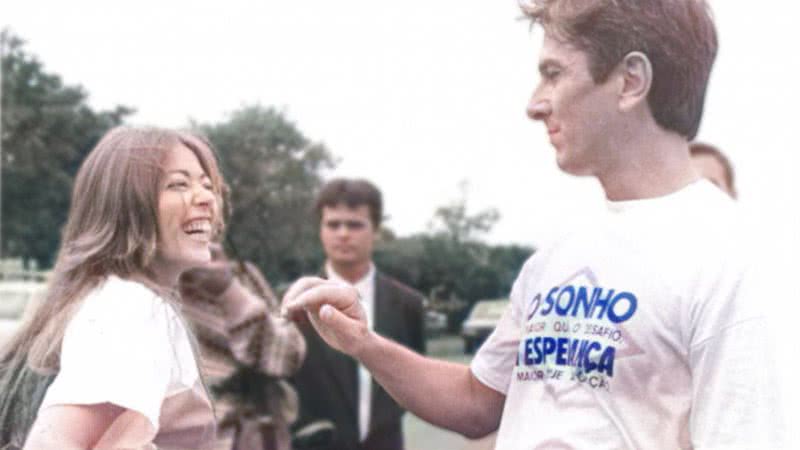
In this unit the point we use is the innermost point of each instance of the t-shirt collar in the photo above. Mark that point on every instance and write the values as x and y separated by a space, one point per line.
619 207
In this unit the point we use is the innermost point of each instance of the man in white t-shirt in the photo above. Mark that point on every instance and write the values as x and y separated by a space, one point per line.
639 329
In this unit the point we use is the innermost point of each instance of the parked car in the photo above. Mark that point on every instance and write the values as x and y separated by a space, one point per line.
481 321
435 323
15 297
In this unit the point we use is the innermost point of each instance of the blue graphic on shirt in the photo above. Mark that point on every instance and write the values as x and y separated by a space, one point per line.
569 352
576 327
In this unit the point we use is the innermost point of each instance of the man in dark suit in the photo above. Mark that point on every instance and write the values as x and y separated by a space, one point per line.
333 386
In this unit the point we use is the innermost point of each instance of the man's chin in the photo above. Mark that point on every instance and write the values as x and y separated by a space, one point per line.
572 168
341 261
348 262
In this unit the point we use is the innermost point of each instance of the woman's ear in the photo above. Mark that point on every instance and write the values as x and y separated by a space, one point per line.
637 77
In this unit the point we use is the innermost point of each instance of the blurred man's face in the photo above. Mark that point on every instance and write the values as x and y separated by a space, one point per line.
347 234
711 168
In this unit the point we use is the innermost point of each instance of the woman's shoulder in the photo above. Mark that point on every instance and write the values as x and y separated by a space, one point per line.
122 318
118 288
125 302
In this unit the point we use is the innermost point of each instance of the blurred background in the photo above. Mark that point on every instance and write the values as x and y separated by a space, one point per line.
426 99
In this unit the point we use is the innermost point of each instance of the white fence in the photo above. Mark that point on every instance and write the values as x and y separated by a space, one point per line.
13 269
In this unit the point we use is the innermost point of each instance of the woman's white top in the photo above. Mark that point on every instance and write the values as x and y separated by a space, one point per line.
127 346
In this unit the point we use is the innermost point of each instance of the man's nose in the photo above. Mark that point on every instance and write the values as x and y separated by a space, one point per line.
539 109
341 229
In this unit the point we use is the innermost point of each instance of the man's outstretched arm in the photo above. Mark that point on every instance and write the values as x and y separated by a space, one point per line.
443 393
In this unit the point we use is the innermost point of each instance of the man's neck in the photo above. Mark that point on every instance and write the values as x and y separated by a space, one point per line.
652 163
352 273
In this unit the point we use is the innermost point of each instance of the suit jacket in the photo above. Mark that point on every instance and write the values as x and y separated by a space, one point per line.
327 383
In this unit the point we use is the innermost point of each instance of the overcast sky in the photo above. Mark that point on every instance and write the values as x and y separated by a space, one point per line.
419 95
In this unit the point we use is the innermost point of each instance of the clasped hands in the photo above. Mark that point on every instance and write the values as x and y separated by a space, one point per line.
333 308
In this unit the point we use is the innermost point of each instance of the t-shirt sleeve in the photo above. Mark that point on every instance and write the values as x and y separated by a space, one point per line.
495 360
116 349
735 397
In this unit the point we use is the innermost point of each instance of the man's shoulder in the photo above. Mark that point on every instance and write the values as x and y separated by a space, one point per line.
388 282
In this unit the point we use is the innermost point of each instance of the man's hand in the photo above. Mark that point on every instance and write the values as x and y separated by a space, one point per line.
448 396
334 310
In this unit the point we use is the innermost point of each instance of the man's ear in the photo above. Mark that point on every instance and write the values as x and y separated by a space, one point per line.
637 77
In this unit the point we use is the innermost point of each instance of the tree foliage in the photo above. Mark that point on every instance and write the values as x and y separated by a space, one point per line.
453 221
273 172
47 129
451 266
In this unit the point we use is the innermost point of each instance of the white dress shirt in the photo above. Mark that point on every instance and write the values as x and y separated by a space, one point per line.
366 289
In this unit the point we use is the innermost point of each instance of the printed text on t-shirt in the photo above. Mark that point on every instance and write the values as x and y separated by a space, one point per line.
575 328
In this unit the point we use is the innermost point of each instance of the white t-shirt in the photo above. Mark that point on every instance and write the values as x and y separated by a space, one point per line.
126 346
642 330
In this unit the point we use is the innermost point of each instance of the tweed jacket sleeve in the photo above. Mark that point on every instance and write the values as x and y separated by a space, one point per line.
232 310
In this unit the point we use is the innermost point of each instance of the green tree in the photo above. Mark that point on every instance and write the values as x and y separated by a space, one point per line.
47 129
273 171
453 221
450 264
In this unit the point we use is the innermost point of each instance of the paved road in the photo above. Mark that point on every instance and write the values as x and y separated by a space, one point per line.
423 436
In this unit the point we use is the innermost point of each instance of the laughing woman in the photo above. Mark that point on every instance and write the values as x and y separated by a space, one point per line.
105 360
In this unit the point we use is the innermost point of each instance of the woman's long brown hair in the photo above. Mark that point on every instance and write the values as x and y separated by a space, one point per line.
111 229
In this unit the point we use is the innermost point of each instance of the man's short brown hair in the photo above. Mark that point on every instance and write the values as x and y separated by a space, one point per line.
678 37
353 193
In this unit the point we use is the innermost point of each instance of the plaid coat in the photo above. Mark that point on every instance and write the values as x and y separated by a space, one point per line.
246 351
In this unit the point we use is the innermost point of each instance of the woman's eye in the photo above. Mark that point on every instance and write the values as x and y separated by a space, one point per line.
177 185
